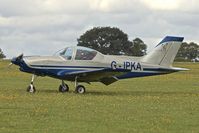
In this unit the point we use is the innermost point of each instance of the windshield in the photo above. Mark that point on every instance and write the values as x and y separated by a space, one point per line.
67 53
85 53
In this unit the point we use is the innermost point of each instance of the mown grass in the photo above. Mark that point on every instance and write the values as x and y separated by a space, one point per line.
161 104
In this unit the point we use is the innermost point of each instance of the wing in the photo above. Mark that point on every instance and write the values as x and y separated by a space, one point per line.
109 80
106 76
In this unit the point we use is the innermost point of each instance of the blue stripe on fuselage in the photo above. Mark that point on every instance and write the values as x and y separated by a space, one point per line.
54 71
165 70
65 66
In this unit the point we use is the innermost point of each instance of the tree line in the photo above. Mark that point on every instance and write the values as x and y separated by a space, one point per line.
113 41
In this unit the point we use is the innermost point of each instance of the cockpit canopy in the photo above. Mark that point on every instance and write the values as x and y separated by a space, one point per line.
78 53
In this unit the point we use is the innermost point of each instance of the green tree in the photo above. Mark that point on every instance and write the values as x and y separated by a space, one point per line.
1 54
111 41
188 52
139 47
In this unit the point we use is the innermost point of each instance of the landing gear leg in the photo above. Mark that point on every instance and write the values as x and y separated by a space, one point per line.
31 87
79 88
63 87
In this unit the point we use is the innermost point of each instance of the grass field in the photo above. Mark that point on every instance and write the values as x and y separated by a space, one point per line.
162 104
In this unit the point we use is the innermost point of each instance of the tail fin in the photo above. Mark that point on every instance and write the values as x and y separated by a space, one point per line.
165 52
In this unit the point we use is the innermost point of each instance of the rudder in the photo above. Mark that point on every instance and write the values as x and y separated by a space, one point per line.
165 52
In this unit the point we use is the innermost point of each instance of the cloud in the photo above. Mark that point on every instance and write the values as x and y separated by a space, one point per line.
115 6
162 4
172 5
44 26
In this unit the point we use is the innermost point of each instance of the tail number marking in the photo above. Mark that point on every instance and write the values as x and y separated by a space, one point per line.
133 66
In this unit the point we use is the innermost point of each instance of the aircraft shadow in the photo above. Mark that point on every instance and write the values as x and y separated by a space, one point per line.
48 91
125 93
139 93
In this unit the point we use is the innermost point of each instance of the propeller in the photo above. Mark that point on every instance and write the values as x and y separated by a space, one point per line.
16 60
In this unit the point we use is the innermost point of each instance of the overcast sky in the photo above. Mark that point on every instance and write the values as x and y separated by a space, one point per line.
41 27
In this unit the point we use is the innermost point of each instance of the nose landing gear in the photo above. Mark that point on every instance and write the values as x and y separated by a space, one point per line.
31 87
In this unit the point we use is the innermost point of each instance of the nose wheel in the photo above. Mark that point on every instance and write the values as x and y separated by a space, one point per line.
31 87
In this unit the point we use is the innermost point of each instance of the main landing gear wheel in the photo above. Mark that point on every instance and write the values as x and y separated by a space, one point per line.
63 87
80 89
31 88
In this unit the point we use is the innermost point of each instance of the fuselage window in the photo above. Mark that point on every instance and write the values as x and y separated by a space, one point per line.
67 53
85 54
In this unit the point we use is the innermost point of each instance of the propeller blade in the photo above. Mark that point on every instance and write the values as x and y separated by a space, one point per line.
20 56
10 64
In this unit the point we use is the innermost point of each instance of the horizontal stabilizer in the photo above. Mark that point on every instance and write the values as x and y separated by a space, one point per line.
180 69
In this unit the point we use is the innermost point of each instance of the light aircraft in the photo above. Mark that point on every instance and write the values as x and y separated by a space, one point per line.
81 64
